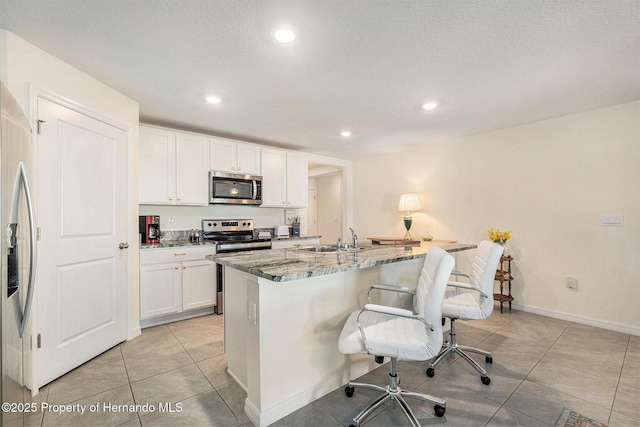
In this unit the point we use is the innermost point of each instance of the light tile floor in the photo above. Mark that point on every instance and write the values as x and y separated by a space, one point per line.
540 366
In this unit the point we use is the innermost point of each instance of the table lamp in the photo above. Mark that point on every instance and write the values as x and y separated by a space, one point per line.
408 203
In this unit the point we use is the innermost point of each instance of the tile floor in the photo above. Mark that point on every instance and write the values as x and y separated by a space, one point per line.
541 365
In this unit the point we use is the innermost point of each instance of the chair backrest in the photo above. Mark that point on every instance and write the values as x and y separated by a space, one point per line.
430 291
483 272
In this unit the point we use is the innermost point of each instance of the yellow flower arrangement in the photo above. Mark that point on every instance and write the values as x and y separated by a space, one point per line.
498 236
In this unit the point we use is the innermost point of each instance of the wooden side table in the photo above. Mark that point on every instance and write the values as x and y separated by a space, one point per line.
503 275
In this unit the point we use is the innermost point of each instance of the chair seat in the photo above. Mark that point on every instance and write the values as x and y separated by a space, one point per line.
402 338
462 306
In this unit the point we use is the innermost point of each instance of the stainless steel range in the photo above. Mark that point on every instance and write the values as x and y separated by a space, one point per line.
230 235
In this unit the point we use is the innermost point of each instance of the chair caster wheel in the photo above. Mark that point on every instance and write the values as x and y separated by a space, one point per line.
431 372
439 410
485 380
380 360
488 359
349 391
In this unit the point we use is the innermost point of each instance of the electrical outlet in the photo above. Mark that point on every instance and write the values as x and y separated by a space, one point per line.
252 312
289 215
571 282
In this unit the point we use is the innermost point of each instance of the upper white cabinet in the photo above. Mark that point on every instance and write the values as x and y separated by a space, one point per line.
157 151
284 179
173 167
234 157
192 170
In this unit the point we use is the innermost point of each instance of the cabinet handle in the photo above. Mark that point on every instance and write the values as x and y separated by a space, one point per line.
179 198
233 168
176 267
170 198
180 254
184 267
239 168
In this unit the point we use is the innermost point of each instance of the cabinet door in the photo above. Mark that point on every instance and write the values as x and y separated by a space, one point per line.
223 155
297 180
192 170
160 289
198 284
156 166
273 178
249 159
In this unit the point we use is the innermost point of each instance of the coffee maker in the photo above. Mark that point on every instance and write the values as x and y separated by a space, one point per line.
149 228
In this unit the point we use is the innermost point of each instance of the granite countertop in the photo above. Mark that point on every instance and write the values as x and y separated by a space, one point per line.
295 238
283 265
173 244
177 243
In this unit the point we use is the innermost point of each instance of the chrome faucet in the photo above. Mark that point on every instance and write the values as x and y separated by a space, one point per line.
354 239
338 244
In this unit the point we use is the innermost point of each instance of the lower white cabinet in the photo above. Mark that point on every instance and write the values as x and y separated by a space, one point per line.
175 281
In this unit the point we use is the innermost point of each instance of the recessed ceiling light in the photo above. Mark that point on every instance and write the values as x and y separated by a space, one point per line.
284 35
214 99
429 105
345 133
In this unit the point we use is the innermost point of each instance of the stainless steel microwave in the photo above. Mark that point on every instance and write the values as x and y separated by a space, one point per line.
234 189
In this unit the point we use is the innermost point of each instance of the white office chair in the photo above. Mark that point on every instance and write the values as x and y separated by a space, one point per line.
475 302
401 334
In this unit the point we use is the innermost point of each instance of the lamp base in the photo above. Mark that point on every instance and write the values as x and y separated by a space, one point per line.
407 224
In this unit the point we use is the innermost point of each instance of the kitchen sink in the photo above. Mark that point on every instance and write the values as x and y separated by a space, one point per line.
332 248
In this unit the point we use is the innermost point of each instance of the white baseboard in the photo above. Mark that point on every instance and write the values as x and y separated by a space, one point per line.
604 324
273 414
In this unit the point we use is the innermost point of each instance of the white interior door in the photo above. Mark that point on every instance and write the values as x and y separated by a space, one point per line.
82 193
312 214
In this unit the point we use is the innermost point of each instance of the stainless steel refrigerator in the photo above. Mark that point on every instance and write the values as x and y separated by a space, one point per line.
18 257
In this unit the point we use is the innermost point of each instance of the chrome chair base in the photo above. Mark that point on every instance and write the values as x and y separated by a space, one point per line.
395 394
452 348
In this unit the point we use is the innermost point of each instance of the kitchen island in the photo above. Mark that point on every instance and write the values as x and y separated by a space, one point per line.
284 311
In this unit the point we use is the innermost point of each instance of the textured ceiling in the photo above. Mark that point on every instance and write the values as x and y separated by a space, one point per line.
363 65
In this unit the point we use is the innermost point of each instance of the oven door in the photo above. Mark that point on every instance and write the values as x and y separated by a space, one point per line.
226 188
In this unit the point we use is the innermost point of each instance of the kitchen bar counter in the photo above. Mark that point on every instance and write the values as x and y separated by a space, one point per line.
284 310
284 265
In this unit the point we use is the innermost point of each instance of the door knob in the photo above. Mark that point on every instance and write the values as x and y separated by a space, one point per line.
123 245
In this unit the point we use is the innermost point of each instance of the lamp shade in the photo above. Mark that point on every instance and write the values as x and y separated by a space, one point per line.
409 202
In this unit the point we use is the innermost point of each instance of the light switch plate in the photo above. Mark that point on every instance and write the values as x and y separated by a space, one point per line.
612 220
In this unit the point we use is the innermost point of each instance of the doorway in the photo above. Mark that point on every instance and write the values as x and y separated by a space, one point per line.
326 183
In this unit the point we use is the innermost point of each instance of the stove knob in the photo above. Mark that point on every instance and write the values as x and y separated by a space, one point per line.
215 224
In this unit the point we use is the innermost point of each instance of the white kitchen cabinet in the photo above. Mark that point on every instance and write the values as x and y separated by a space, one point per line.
192 170
175 281
160 290
235 157
197 280
173 168
284 179
157 151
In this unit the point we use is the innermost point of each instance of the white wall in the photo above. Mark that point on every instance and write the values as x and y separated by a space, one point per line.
548 182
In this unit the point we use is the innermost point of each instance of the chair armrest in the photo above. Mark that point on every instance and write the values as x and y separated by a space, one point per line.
459 273
391 311
391 288
467 286
394 311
